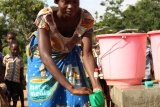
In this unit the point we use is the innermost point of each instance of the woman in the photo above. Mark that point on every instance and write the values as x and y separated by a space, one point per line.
56 76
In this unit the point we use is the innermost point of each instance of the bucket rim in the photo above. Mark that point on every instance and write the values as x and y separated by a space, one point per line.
153 32
121 34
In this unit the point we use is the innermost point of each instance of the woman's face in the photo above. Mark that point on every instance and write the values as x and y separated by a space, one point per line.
68 7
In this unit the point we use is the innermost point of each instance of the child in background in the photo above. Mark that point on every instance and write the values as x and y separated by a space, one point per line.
3 87
102 81
14 72
105 87
10 37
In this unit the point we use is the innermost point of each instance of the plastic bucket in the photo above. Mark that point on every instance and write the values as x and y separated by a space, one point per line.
155 45
123 57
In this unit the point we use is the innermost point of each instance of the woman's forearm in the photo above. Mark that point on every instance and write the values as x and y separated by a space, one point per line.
45 51
54 70
90 66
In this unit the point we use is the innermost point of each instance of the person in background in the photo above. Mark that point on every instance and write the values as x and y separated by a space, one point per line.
103 83
14 72
149 72
3 87
10 37
54 64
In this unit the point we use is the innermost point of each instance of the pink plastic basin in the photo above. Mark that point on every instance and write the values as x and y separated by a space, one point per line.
155 45
123 57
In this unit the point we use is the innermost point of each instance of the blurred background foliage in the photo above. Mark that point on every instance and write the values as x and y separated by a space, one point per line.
144 16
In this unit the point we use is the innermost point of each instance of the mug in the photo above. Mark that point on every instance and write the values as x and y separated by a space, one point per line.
97 99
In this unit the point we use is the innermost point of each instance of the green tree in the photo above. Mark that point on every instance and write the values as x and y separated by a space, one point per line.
143 16
113 13
20 14
112 17
3 26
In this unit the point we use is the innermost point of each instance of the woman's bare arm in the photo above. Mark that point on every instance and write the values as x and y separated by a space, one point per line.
88 59
44 47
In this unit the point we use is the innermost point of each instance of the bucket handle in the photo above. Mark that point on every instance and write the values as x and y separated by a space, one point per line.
127 30
112 47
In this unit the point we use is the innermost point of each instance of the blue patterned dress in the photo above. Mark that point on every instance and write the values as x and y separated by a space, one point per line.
43 89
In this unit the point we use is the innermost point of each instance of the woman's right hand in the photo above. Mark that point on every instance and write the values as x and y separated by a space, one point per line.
81 91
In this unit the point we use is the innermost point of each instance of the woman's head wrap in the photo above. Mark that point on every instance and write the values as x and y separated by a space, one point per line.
56 1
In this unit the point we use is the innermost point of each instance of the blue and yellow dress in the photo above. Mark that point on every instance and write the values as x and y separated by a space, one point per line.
43 89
